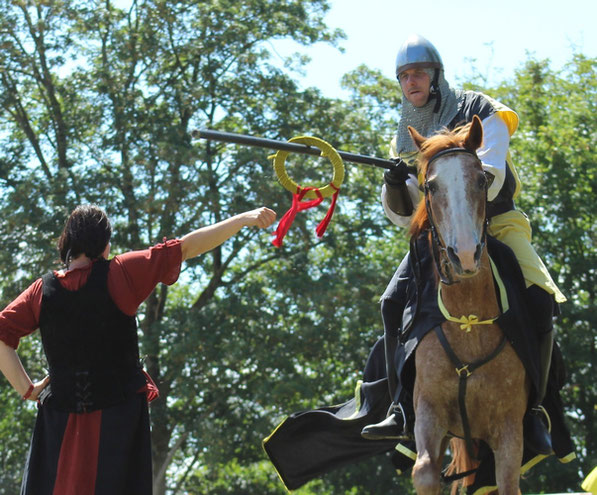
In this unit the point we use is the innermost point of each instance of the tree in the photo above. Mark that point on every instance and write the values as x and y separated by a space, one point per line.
554 149
97 105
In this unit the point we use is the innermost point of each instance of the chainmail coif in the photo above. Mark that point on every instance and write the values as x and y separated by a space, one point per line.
423 119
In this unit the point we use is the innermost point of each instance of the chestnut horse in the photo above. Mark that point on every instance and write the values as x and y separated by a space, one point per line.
469 381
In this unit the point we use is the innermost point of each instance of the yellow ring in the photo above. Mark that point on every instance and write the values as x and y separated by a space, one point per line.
326 151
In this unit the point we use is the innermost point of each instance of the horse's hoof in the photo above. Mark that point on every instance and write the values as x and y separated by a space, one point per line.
389 429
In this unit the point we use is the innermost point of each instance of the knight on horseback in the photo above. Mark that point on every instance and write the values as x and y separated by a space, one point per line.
430 104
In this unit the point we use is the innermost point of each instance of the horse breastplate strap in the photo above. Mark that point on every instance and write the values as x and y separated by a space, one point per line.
467 322
464 370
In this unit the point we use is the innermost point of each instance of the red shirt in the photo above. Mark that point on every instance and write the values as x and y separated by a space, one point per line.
131 278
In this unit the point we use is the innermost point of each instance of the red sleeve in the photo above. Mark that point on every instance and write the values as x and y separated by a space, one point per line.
131 279
21 317
134 275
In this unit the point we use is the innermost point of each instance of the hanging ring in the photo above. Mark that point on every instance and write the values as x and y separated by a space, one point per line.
327 151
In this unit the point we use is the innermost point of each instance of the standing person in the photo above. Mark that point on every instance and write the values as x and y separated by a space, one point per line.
430 104
92 430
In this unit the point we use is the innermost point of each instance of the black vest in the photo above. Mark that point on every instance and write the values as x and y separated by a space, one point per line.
91 346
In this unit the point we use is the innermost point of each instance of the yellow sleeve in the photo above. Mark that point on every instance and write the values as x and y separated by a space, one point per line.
509 116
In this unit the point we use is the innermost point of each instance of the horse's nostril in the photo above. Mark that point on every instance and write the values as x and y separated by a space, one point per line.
478 252
452 256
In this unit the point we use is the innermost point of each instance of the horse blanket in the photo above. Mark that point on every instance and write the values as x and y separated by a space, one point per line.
308 444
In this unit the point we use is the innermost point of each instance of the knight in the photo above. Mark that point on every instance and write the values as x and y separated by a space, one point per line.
428 105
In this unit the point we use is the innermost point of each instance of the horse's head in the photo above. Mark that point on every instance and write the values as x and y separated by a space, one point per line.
455 188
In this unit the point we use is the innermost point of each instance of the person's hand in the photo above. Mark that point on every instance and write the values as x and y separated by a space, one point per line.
397 175
261 217
38 387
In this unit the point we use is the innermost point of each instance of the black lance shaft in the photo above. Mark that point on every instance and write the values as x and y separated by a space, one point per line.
230 137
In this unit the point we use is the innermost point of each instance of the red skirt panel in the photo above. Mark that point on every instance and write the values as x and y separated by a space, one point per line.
105 452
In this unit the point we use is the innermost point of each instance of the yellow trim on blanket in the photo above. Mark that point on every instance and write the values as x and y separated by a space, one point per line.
524 468
273 464
404 450
501 286
567 458
533 462
357 398
272 433
590 482
485 489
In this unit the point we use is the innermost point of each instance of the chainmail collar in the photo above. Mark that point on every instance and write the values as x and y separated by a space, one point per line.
424 119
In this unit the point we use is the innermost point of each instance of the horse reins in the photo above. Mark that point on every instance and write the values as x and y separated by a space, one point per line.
438 249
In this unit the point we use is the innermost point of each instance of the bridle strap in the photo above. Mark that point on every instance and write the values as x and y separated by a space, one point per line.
449 151
437 247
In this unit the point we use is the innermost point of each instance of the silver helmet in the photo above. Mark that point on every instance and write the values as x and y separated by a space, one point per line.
417 51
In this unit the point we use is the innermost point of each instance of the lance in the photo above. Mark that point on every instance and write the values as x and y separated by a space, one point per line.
299 193
230 137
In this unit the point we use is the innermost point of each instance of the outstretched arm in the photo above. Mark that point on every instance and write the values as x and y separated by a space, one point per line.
207 238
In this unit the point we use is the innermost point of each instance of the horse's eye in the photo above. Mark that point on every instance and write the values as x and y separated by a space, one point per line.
489 177
431 187
482 181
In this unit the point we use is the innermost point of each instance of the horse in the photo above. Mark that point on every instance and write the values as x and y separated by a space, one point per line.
465 368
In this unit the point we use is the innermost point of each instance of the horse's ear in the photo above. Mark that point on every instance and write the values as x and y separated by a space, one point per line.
416 137
474 138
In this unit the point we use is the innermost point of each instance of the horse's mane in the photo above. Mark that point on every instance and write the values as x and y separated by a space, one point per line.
443 140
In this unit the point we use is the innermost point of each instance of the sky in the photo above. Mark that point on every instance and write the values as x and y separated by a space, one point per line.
496 34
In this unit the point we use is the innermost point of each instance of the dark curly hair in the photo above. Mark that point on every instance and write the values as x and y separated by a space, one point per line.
87 231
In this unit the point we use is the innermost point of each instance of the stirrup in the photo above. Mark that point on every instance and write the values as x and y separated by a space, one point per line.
536 435
393 427
537 410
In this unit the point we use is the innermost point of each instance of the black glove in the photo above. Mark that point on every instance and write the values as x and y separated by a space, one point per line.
396 175
397 196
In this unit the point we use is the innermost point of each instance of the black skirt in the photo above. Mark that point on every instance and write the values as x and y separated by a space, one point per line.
104 452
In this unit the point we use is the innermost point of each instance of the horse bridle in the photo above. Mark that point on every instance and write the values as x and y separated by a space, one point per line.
438 249
464 370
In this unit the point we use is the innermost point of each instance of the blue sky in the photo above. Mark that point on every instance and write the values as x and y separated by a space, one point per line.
497 35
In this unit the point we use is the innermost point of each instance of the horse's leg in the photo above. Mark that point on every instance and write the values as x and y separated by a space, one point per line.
508 458
429 436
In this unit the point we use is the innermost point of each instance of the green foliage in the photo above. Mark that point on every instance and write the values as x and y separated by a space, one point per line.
97 104
17 420
15 440
555 150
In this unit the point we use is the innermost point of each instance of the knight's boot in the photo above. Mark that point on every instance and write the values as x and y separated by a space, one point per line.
394 427
393 301
536 435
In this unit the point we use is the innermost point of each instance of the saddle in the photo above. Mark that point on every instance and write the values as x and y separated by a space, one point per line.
422 313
